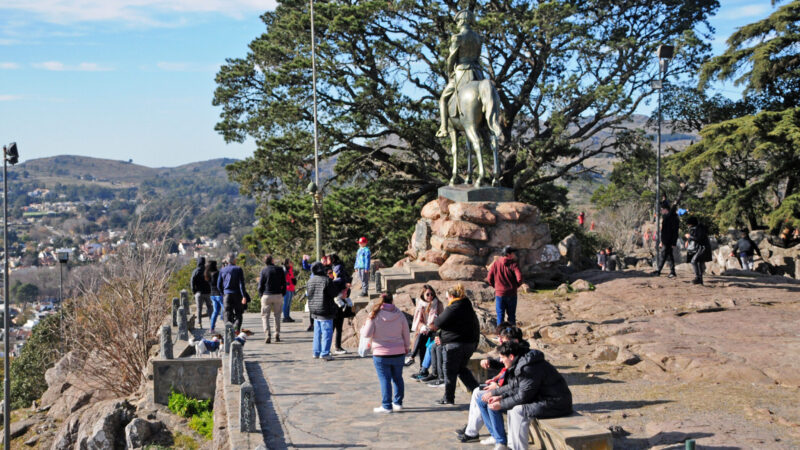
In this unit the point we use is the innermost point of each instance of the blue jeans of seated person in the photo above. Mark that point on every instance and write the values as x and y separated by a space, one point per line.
323 336
493 421
287 303
426 362
390 375
216 301
506 304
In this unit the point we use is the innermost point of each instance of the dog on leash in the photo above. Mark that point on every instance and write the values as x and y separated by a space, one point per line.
206 347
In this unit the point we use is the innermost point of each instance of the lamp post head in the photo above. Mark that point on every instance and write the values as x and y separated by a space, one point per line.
63 255
11 153
665 53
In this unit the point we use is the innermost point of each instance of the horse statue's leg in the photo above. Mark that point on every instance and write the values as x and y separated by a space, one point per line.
475 143
469 162
491 108
454 151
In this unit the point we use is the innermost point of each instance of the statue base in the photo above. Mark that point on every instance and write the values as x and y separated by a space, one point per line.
469 193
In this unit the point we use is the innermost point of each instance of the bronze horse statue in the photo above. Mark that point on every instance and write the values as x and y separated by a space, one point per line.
474 110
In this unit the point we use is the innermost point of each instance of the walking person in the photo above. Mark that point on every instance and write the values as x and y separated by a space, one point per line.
344 307
211 276
271 289
745 249
459 334
291 283
362 265
320 291
505 277
698 248
388 329
669 239
234 294
201 290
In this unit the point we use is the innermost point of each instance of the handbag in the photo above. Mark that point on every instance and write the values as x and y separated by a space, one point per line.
364 344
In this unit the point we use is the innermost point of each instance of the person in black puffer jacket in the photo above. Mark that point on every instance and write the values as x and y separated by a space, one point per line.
533 389
459 331
321 291
698 248
201 289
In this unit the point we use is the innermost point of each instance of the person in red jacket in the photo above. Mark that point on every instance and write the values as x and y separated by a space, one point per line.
505 278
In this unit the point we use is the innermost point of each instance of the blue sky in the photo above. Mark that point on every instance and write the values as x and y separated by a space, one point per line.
134 79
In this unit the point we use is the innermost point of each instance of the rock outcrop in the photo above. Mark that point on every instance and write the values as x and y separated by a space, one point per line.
464 238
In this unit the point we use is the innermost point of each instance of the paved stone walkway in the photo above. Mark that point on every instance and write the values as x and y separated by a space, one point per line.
311 403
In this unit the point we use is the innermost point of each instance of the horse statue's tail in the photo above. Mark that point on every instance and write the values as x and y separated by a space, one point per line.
491 106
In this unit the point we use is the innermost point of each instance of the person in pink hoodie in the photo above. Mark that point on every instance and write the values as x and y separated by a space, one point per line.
391 341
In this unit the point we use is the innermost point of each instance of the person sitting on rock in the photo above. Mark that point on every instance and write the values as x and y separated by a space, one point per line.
428 308
533 390
469 433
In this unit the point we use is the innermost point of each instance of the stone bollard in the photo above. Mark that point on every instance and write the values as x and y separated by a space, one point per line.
176 303
183 325
166 342
378 281
247 408
228 336
237 363
185 300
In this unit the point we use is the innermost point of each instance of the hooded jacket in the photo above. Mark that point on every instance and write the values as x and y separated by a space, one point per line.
198 282
532 380
458 323
669 228
504 276
389 332
320 291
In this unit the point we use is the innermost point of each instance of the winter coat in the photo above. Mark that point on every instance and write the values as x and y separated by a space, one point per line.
363 257
504 276
747 246
669 229
290 279
231 281
421 319
458 323
531 379
272 281
215 292
321 291
198 282
389 332
698 244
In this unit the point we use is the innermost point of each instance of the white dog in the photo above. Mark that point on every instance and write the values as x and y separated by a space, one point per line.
207 347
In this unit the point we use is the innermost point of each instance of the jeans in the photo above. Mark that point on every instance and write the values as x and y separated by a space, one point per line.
494 422
506 304
390 374
233 310
746 260
426 362
200 300
363 275
216 301
666 254
437 363
455 358
271 305
323 335
287 303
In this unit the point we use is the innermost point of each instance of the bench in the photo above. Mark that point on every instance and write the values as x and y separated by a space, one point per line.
576 432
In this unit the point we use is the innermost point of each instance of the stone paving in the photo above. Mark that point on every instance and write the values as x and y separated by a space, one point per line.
312 403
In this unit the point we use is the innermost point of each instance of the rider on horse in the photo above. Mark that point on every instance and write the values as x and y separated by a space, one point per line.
463 63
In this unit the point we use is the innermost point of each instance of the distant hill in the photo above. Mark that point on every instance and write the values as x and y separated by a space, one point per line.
72 169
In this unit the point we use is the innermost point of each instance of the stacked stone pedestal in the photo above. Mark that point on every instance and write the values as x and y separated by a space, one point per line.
464 238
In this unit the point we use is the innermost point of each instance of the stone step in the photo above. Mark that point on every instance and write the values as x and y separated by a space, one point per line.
422 271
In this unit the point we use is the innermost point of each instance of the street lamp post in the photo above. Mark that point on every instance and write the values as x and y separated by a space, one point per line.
314 187
665 53
63 259
10 156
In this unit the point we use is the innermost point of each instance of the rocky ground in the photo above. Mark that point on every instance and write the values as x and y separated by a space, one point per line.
661 360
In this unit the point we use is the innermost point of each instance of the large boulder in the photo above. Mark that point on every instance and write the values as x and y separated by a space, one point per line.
103 424
516 211
461 267
139 432
420 240
461 229
431 210
475 212
570 249
451 245
518 235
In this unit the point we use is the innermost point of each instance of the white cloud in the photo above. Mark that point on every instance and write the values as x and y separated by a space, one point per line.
56 66
8 41
9 65
751 11
134 12
9 98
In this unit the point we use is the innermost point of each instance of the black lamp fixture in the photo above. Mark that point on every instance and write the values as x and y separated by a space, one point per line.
12 154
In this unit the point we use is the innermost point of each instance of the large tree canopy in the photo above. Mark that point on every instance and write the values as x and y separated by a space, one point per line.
568 72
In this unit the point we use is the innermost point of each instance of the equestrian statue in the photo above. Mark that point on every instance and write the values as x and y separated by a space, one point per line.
469 103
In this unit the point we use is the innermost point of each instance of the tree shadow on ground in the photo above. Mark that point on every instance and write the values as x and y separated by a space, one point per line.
673 439
600 277
756 282
616 405
587 378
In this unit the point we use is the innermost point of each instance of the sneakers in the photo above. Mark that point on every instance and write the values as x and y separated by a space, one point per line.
419 375
396 407
697 281
316 356
488 441
277 338
436 383
655 273
429 378
409 361
444 401
464 437
267 340
287 320
340 351
310 328
672 275
327 357
381 410
500 447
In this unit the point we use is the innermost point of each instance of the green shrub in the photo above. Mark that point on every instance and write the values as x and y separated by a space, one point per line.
38 354
203 423
185 406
